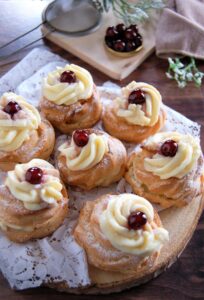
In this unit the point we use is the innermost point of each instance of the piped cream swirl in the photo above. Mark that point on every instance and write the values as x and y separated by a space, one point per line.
16 130
113 223
35 196
84 158
178 166
62 93
143 115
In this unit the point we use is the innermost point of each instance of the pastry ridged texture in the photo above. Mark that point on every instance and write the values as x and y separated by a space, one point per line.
166 192
43 222
39 145
67 118
110 169
120 128
100 253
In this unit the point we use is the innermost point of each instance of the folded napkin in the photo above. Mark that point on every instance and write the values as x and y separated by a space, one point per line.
180 30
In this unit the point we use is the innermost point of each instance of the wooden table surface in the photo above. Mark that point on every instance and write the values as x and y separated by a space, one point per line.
185 279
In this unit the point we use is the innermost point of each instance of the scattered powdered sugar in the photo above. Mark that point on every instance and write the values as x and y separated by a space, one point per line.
58 257
30 88
34 61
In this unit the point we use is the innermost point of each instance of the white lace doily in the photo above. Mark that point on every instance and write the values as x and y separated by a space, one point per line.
58 257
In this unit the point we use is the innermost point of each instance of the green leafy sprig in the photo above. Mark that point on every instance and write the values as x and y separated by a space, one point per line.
131 12
184 73
139 11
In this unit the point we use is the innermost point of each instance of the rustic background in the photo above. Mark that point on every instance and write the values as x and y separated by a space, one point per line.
185 279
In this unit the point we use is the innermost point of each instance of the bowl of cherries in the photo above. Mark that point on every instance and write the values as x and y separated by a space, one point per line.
123 41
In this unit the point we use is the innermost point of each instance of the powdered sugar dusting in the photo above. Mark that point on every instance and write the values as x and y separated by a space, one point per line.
58 257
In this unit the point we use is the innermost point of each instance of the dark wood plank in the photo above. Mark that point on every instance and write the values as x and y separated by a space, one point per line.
185 279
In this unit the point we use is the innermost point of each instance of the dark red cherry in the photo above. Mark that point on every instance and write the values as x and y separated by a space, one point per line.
81 137
34 175
169 148
138 42
137 220
12 108
68 77
133 27
120 28
136 97
119 46
139 36
130 46
129 35
109 42
111 32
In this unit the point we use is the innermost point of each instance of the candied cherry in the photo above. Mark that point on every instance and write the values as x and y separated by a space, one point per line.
136 97
134 28
123 39
111 32
129 35
34 175
130 46
169 148
138 42
119 46
139 36
137 220
68 77
120 28
81 137
12 108
109 42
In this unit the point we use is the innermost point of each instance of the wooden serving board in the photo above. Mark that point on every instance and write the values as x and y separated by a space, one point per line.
91 49
180 222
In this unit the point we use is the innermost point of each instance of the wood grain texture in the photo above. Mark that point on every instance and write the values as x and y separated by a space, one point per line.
173 219
185 279
92 50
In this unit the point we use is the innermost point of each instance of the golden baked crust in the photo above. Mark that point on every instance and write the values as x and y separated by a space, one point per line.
39 145
166 192
110 169
121 129
44 221
67 118
100 252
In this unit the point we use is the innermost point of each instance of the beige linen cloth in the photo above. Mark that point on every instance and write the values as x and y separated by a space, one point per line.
181 29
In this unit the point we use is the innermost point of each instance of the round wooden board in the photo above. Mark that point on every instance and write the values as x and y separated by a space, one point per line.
180 222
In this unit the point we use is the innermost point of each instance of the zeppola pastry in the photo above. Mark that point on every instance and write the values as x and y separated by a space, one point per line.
136 114
70 99
91 158
168 169
33 201
120 233
23 134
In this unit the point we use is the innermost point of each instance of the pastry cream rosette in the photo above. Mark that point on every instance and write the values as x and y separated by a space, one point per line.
15 131
167 169
91 158
70 99
85 158
114 243
137 114
35 197
24 135
178 166
33 201
62 93
113 223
